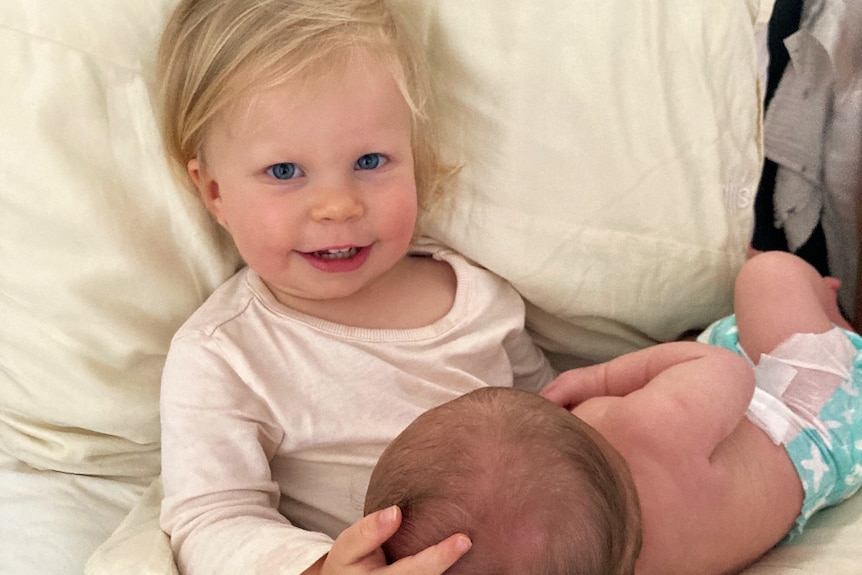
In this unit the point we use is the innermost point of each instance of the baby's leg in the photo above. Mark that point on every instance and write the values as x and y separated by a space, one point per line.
779 294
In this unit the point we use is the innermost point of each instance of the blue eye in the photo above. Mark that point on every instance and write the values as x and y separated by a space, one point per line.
370 162
284 171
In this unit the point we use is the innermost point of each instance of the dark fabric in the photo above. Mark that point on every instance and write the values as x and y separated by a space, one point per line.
785 20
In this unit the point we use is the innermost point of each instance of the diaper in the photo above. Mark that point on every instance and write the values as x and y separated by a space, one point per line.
808 400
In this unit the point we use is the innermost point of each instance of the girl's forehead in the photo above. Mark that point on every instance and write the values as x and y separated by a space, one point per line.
296 87
359 103
310 71
305 79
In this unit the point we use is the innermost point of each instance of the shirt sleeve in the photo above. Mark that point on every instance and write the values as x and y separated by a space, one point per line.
531 370
221 502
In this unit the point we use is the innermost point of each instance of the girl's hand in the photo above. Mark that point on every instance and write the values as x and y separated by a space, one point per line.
357 550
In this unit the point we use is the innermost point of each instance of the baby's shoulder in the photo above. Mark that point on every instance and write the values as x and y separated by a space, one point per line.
636 433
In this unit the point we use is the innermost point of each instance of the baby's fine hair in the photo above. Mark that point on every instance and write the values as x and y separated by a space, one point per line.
538 491
213 53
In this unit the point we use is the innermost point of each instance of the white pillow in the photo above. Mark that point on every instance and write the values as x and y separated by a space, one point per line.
611 155
102 255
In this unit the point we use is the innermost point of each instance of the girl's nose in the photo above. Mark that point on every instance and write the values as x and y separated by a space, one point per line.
338 204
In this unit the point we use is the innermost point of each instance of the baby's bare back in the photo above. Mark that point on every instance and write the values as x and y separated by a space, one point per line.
711 515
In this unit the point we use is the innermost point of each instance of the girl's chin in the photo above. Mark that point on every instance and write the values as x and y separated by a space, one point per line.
315 296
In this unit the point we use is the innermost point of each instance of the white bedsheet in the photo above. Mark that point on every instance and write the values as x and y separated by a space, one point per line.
830 545
52 522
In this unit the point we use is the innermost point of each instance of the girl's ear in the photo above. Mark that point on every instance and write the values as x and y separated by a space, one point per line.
207 189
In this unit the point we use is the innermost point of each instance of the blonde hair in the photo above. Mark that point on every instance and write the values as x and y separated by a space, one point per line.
215 52
536 489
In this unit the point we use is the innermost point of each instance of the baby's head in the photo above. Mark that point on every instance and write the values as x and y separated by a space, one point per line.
536 489
217 54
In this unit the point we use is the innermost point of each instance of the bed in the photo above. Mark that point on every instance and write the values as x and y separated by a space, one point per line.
611 151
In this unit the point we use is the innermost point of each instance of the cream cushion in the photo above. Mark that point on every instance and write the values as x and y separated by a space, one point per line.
102 257
611 157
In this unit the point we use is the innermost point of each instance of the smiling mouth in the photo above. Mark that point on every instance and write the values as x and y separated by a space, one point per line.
339 254
338 260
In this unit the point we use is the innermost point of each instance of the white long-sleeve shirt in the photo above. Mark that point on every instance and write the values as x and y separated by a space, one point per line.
272 420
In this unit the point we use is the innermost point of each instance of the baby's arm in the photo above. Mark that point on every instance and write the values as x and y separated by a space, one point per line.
620 376
689 391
